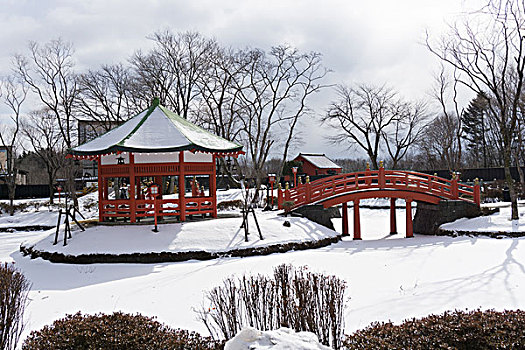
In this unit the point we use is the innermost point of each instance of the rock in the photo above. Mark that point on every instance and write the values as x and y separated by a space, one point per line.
287 224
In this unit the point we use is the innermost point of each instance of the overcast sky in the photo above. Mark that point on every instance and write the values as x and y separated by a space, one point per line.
374 41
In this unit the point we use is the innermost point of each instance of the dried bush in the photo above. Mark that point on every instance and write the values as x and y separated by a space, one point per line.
14 288
450 330
292 297
116 331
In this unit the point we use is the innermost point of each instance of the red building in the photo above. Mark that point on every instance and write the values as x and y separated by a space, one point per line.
317 164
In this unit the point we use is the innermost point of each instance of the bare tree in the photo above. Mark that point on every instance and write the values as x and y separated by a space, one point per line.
273 96
439 143
486 50
171 70
443 136
42 131
363 116
14 93
107 95
48 70
405 132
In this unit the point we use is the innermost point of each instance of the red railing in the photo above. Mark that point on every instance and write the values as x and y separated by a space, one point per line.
160 207
368 180
123 170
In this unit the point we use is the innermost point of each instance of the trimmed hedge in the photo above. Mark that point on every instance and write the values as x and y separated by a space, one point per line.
451 330
117 331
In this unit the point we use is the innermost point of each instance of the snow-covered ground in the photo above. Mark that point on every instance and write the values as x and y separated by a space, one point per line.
220 235
389 277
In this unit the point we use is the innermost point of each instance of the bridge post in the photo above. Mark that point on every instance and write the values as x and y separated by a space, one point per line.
454 185
357 221
367 173
279 196
393 224
345 219
381 179
287 191
477 192
307 191
410 230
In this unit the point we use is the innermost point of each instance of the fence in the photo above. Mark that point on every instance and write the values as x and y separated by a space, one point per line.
25 191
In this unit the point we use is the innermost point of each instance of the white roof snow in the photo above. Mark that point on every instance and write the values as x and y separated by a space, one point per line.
156 129
320 161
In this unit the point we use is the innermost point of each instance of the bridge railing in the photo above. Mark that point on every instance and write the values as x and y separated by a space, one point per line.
321 189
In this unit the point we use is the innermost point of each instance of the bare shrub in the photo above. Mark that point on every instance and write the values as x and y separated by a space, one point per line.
293 297
14 288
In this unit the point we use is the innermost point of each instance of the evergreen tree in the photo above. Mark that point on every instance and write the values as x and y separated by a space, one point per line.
475 120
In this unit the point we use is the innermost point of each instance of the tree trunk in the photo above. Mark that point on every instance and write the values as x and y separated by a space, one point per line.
11 187
510 182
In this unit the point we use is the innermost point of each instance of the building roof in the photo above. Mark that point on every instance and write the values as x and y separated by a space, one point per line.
156 129
319 160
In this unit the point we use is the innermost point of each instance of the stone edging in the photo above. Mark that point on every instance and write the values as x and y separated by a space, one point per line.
147 258
499 234
26 228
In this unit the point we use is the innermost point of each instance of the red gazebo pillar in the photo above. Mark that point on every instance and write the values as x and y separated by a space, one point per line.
132 181
182 188
101 183
213 187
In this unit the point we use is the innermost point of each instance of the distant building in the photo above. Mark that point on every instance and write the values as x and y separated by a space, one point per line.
21 175
87 131
317 164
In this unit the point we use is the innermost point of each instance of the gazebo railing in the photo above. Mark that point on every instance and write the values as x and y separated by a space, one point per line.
145 208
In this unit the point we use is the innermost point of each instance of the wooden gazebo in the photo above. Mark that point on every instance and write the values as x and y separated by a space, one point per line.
151 162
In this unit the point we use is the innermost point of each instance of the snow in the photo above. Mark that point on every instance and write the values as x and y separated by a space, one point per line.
389 277
498 222
279 339
160 130
320 161
220 235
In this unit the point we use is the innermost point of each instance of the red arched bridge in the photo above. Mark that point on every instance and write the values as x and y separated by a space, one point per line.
352 187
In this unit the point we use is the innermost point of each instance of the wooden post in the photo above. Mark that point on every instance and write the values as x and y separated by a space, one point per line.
410 232
357 221
155 212
367 173
287 191
381 175
454 187
213 188
345 219
280 198
393 225
477 192
132 184
308 189
101 184
182 189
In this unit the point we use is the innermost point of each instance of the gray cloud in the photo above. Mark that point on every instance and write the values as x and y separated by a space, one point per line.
374 41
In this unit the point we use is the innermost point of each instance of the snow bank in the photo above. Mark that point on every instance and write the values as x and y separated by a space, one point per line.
280 339
497 222
218 235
